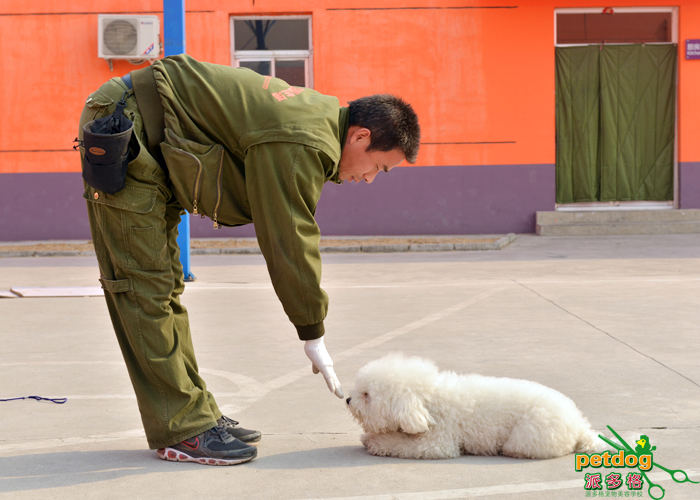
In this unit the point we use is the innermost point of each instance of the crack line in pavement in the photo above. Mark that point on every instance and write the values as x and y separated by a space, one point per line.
205 286
381 339
608 334
250 390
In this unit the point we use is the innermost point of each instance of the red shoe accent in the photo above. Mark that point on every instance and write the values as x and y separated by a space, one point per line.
190 445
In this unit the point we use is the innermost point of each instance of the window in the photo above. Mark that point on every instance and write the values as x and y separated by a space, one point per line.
276 46
614 26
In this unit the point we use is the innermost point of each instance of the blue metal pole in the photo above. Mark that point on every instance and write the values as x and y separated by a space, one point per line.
174 42
174 27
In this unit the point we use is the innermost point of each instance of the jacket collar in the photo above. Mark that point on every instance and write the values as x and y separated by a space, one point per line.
343 126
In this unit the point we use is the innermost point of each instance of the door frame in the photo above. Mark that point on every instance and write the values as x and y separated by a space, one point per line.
628 205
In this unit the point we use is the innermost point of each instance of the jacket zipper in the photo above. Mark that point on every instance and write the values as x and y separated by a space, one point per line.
218 189
195 189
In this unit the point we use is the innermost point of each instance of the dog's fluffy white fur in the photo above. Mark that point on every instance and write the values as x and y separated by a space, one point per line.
409 409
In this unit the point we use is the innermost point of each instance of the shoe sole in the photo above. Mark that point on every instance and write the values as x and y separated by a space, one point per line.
173 455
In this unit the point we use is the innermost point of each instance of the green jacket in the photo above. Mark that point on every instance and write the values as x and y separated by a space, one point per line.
240 148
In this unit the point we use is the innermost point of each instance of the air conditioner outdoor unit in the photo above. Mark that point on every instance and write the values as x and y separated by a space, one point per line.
136 38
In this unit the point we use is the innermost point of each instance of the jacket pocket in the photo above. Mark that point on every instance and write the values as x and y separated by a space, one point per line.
96 106
194 172
98 99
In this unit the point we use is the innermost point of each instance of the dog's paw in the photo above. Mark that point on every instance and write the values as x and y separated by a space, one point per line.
364 439
375 445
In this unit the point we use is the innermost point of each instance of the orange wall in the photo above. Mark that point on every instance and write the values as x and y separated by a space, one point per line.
689 86
473 75
455 67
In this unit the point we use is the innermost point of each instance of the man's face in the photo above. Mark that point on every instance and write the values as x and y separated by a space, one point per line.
357 164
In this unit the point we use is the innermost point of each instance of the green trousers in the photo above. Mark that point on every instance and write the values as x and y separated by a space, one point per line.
134 232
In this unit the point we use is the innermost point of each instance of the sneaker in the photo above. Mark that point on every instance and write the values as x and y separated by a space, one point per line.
245 435
213 447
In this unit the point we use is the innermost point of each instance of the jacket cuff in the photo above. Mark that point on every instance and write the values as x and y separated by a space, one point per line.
310 332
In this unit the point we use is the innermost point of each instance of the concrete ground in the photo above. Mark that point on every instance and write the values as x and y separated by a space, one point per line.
612 322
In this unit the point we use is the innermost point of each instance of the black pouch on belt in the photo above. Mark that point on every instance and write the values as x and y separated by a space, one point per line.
106 143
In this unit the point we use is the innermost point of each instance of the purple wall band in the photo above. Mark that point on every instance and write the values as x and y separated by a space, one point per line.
409 201
689 183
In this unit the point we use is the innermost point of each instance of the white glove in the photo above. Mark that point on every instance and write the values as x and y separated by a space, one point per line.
321 362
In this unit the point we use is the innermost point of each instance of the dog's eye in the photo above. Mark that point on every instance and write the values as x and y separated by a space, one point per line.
366 394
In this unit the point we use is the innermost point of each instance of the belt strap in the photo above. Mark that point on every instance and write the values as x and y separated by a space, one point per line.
151 109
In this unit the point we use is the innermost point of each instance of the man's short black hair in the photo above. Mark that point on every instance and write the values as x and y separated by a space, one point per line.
392 122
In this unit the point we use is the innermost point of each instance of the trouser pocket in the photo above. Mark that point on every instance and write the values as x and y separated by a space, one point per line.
129 228
143 246
116 286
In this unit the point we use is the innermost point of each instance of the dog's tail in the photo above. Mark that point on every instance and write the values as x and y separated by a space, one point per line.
589 442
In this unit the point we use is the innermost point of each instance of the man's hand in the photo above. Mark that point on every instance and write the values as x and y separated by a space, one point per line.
321 362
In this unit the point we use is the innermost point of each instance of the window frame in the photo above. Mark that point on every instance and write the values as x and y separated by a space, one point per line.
274 55
622 10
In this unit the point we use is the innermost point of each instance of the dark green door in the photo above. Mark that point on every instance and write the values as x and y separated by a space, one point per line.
615 119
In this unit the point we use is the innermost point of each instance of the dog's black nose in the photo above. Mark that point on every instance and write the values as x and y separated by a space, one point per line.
348 400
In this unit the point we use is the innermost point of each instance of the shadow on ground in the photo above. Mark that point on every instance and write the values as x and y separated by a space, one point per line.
60 469
50 470
357 456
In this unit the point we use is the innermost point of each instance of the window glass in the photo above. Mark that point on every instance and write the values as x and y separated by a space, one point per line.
292 72
641 27
262 67
271 34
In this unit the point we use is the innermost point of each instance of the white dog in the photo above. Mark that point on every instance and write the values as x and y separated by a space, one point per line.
410 410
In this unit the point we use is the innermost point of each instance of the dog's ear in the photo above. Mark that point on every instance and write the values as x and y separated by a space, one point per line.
412 415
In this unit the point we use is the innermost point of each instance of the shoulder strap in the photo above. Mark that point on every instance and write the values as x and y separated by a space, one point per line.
151 109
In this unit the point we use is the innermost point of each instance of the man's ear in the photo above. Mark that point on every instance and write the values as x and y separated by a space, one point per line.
360 133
